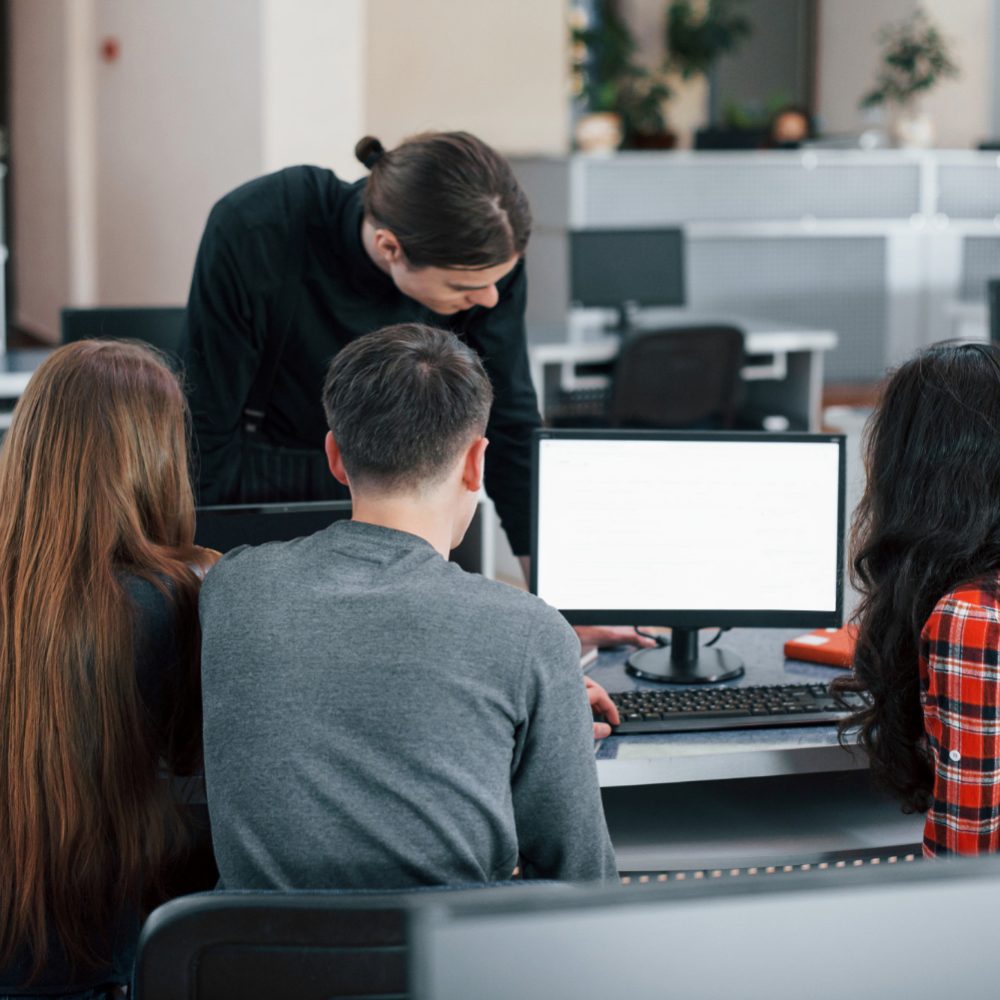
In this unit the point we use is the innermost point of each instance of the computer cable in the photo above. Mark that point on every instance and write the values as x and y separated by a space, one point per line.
662 639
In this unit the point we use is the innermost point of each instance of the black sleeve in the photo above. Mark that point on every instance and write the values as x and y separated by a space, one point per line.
498 336
221 351
166 674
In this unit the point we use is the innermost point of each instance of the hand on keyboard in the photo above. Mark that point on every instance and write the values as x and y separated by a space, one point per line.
601 704
604 636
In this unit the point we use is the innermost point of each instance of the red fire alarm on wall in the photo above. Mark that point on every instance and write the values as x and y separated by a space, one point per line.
111 49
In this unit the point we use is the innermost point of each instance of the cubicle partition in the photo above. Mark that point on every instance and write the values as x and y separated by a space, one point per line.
889 249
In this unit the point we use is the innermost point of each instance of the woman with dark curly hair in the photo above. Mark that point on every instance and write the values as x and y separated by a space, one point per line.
926 557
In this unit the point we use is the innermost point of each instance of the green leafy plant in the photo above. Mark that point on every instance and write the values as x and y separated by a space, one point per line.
695 38
608 76
915 58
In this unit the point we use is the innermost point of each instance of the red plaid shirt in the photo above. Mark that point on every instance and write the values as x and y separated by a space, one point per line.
960 693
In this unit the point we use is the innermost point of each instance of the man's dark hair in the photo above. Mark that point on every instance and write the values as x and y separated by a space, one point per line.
450 200
403 401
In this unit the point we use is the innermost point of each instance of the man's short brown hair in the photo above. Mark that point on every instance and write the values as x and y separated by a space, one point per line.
403 401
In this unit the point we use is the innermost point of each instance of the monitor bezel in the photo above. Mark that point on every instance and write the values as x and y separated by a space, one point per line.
698 617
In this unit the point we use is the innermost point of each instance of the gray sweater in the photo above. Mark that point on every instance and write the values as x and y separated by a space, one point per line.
377 718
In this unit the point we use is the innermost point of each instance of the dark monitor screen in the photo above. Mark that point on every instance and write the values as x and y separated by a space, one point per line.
228 526
609 267
161 326
689 529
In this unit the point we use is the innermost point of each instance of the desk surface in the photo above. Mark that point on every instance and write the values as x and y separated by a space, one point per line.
16 368
761 336
665 758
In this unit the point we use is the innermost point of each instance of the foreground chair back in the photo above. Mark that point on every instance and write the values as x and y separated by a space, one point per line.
252 946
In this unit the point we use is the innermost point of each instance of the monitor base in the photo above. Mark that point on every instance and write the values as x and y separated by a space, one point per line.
710 666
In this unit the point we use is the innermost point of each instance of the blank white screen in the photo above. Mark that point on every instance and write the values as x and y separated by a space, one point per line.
636 525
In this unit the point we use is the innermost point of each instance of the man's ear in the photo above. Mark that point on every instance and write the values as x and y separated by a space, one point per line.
335 460
474 463
388 247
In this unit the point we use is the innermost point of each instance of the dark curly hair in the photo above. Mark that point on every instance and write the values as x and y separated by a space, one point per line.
929 520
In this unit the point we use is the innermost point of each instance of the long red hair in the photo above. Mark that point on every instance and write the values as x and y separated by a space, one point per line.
94 484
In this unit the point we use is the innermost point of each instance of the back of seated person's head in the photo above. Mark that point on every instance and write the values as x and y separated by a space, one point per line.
94 486
403 404
928 521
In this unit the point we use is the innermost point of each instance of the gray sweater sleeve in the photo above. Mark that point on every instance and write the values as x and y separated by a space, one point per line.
561 829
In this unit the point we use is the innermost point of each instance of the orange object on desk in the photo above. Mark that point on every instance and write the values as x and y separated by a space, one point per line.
831 646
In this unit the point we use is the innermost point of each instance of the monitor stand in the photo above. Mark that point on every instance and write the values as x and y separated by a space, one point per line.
684 662
627 320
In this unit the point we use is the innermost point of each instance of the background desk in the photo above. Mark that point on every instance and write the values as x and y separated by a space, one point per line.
736 798
874 245
783 373
16 368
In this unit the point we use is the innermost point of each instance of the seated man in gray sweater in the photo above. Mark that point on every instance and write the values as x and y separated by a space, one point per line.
374 716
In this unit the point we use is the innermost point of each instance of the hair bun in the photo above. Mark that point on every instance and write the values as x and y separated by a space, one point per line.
369 151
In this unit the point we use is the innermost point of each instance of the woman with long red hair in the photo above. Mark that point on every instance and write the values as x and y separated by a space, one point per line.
99 692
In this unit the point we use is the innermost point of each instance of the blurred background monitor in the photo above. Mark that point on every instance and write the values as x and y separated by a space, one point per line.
627 269
160 326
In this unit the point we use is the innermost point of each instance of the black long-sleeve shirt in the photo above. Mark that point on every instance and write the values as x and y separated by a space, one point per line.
244 261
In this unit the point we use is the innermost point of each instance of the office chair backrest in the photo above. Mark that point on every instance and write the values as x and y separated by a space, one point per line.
252 946
678 378
161 326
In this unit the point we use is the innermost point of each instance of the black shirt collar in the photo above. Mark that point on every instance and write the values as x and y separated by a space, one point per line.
364 274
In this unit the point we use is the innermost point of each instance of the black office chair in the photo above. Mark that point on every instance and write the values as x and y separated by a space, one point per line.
678 378
307 945
257 945
161 326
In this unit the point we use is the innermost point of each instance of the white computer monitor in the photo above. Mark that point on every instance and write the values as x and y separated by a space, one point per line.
689 530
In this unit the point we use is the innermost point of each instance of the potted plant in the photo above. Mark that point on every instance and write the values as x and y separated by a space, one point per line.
622 100
915 58
696 34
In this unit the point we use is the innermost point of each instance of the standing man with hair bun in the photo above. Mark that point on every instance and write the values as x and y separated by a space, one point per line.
295 265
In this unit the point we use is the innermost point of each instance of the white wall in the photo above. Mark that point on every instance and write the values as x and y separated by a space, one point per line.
313 64
848 59
39 159
498 70
178 125
961 108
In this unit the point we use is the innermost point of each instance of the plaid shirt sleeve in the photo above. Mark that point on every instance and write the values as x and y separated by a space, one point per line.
960 693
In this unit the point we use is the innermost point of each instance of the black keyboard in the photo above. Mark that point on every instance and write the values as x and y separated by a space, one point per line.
681 710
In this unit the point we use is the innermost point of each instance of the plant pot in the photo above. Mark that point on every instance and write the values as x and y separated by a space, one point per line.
651 140
598 132
912 127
